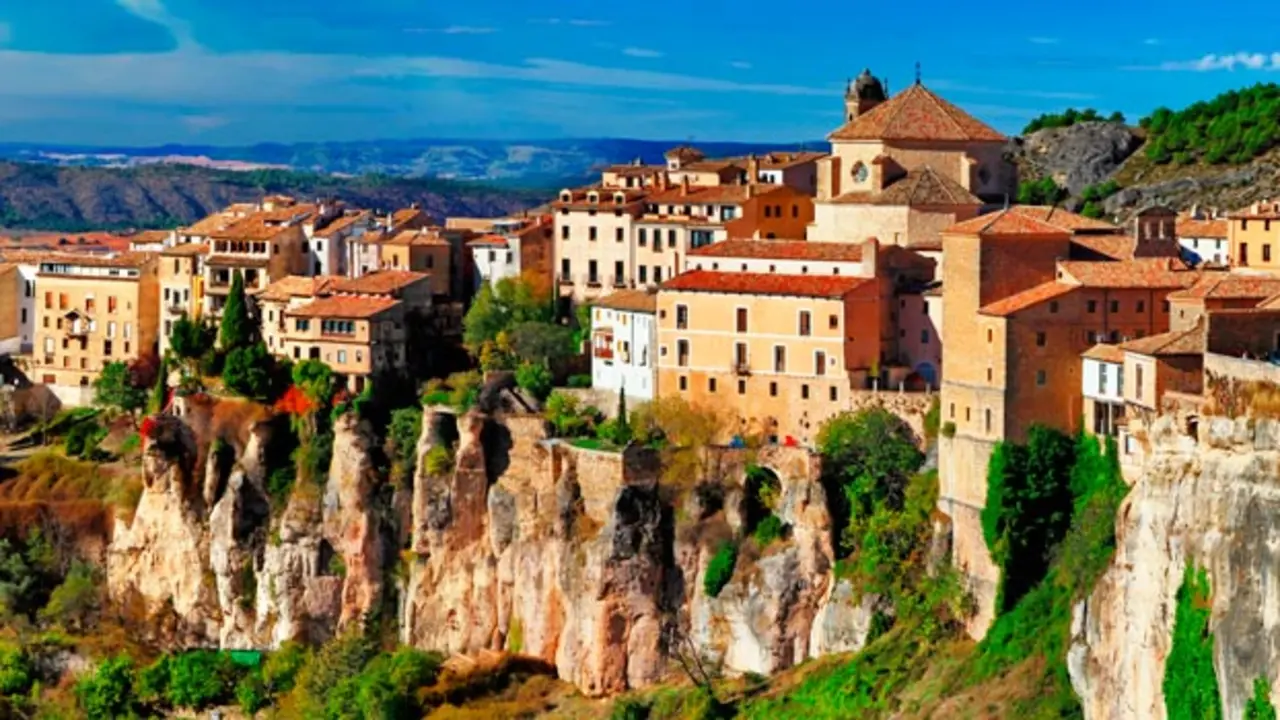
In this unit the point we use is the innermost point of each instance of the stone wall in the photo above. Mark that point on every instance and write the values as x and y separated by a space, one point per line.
912 407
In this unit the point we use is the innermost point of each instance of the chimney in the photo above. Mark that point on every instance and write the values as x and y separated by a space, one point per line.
753 169
751 190
684 185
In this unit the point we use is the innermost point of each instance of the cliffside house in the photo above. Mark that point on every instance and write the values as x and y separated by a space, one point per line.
624 335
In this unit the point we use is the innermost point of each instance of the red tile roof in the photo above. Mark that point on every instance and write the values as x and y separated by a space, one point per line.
1065 219
345 306
1177 342
423 236
292 286
917 114
1031 220
782 250
684 153
630 301
921 186
1027 299
1105 352
818 286
1194 228
186 250
489 241
1140 273
714 194
381 282
1229 286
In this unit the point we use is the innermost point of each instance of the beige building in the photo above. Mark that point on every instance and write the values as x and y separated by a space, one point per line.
778 353
260 249
426 250
181 272
1254 237
287 293
90 312
903 169
12 291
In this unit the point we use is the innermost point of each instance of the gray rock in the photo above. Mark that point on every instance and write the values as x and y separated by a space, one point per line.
1075 157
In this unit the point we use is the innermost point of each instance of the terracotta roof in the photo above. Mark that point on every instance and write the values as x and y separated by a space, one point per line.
714 194
254 227
1030 220
630 301
605 197
288 212
212 224
345 306
684 153
783 160
237 261
819 286
782 250
635 170
1139 273
149 237
342 223
1065 219
916 114
132 260
292 286
489 241
1105 352
1194 228
714 166
1027 299
424 236
381 282
186 250
1230 286
921 186
1177 342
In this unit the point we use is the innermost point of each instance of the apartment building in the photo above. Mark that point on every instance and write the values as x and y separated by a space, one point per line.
1254 237
624 337
92 311
1026 315
181 272
593 239
902 169
260 248
12 290
779 353
287 293
798 170
357 336
28 265
328 244
513 248
424 250
1204 240
1219 291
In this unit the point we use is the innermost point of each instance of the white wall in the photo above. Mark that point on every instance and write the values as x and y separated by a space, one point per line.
1112 385
781 267
495 263
1215 250
637 371
27 307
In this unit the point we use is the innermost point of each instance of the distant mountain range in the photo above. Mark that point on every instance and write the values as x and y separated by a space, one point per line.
543 164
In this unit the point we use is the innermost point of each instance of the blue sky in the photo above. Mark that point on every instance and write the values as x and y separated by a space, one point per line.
240 71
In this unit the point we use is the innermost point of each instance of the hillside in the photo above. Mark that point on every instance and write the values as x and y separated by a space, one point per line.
46 197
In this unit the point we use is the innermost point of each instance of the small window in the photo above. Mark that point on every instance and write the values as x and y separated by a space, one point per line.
1142 306
1040 377
773 389
711 384
742 387
835 394
684 383
1092 306
804 392
682 317
991 336
1053 306
742 320
1115 306
833 322
806 325
924 337
987 418
1040 339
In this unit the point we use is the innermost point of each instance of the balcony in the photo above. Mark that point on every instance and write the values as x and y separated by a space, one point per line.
740 367
593 281
564 279
620 282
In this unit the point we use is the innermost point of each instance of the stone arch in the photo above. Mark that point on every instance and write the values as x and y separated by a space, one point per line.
762 495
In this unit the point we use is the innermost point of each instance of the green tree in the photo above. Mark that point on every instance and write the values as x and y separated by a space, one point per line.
541 342
160 392
1259 706
75 601
191 339
237 329
201 678
535 379
500 308
720 569
114 388
248 372
1190 682
16 674
107 693
402 441
623 431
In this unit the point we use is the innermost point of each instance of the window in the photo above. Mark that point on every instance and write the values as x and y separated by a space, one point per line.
111 303
684 383
768 211
342 356
1142 306
592 233
106 348
62 301
644 274
1040 339
1092 337
618 272
952 412
1102 378
592 275
111 328
564 232
31 289
1266 253
740 355
991 336
128 330
820 363
1053 306
795 211
302 325
833 322
1165 307
657 273
990 374
1244 253
682 317
1092 306
1137 384
671 238
493 256
48 301
804 392
1115 306
967 416
779 358
564 269
805 323
711 384
987 418
742 387
617 234
642 237
834 394
742 320
1040 377
773 389
924 337
682 353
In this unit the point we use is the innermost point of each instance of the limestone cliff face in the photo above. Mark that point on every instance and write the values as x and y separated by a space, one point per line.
204 548
1214 502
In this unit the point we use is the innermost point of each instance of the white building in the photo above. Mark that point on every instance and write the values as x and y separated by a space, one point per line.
787 257
1102 385
1204 241
497 255
624 335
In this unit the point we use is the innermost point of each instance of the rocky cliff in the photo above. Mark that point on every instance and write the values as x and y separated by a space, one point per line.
1076 156
1213 501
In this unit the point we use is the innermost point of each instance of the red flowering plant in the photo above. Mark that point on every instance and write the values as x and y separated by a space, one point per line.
148 427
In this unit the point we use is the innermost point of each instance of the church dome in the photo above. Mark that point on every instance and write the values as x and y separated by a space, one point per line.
866 87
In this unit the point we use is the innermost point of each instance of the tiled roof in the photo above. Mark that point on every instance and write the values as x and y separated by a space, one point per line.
1139 273
186 250
149 237
635 170
782 250
1031 220
342 223
783 160
345 306
684 153
130 260
1229 286
714 166
916 114
715 194
292 286
249 261
1115 246
818 286
404 215
605 197
496 241
381 282
1027 299
1065 219
630 301
1105 352
212 224
424 236
1177 342
920 186
254 227
1193 228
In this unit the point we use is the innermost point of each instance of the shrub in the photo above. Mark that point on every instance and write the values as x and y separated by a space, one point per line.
629 709
281 667
948 429
151 684
201 678
464 389
769 529
720 569
535 379
107 693
248 372
251 693
76 600
16 673
567 416
1259 706
933 418
402 441
1190 682
579 381
439 460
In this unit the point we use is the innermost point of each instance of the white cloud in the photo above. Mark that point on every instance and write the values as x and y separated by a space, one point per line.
1043 40
1213 62
740 65
579 22
637 52
154 11
454 30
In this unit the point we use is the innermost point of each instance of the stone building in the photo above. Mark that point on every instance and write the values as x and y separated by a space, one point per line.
181 286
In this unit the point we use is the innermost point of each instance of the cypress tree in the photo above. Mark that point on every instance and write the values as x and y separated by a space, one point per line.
624 424
236 331
161 390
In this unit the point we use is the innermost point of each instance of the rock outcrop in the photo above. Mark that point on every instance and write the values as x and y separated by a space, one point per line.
1213 502
1075 157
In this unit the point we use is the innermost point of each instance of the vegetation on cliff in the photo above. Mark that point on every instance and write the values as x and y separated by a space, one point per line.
1190 682
1234 127
1069 117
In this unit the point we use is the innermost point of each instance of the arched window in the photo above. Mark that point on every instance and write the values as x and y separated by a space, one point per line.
860 173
